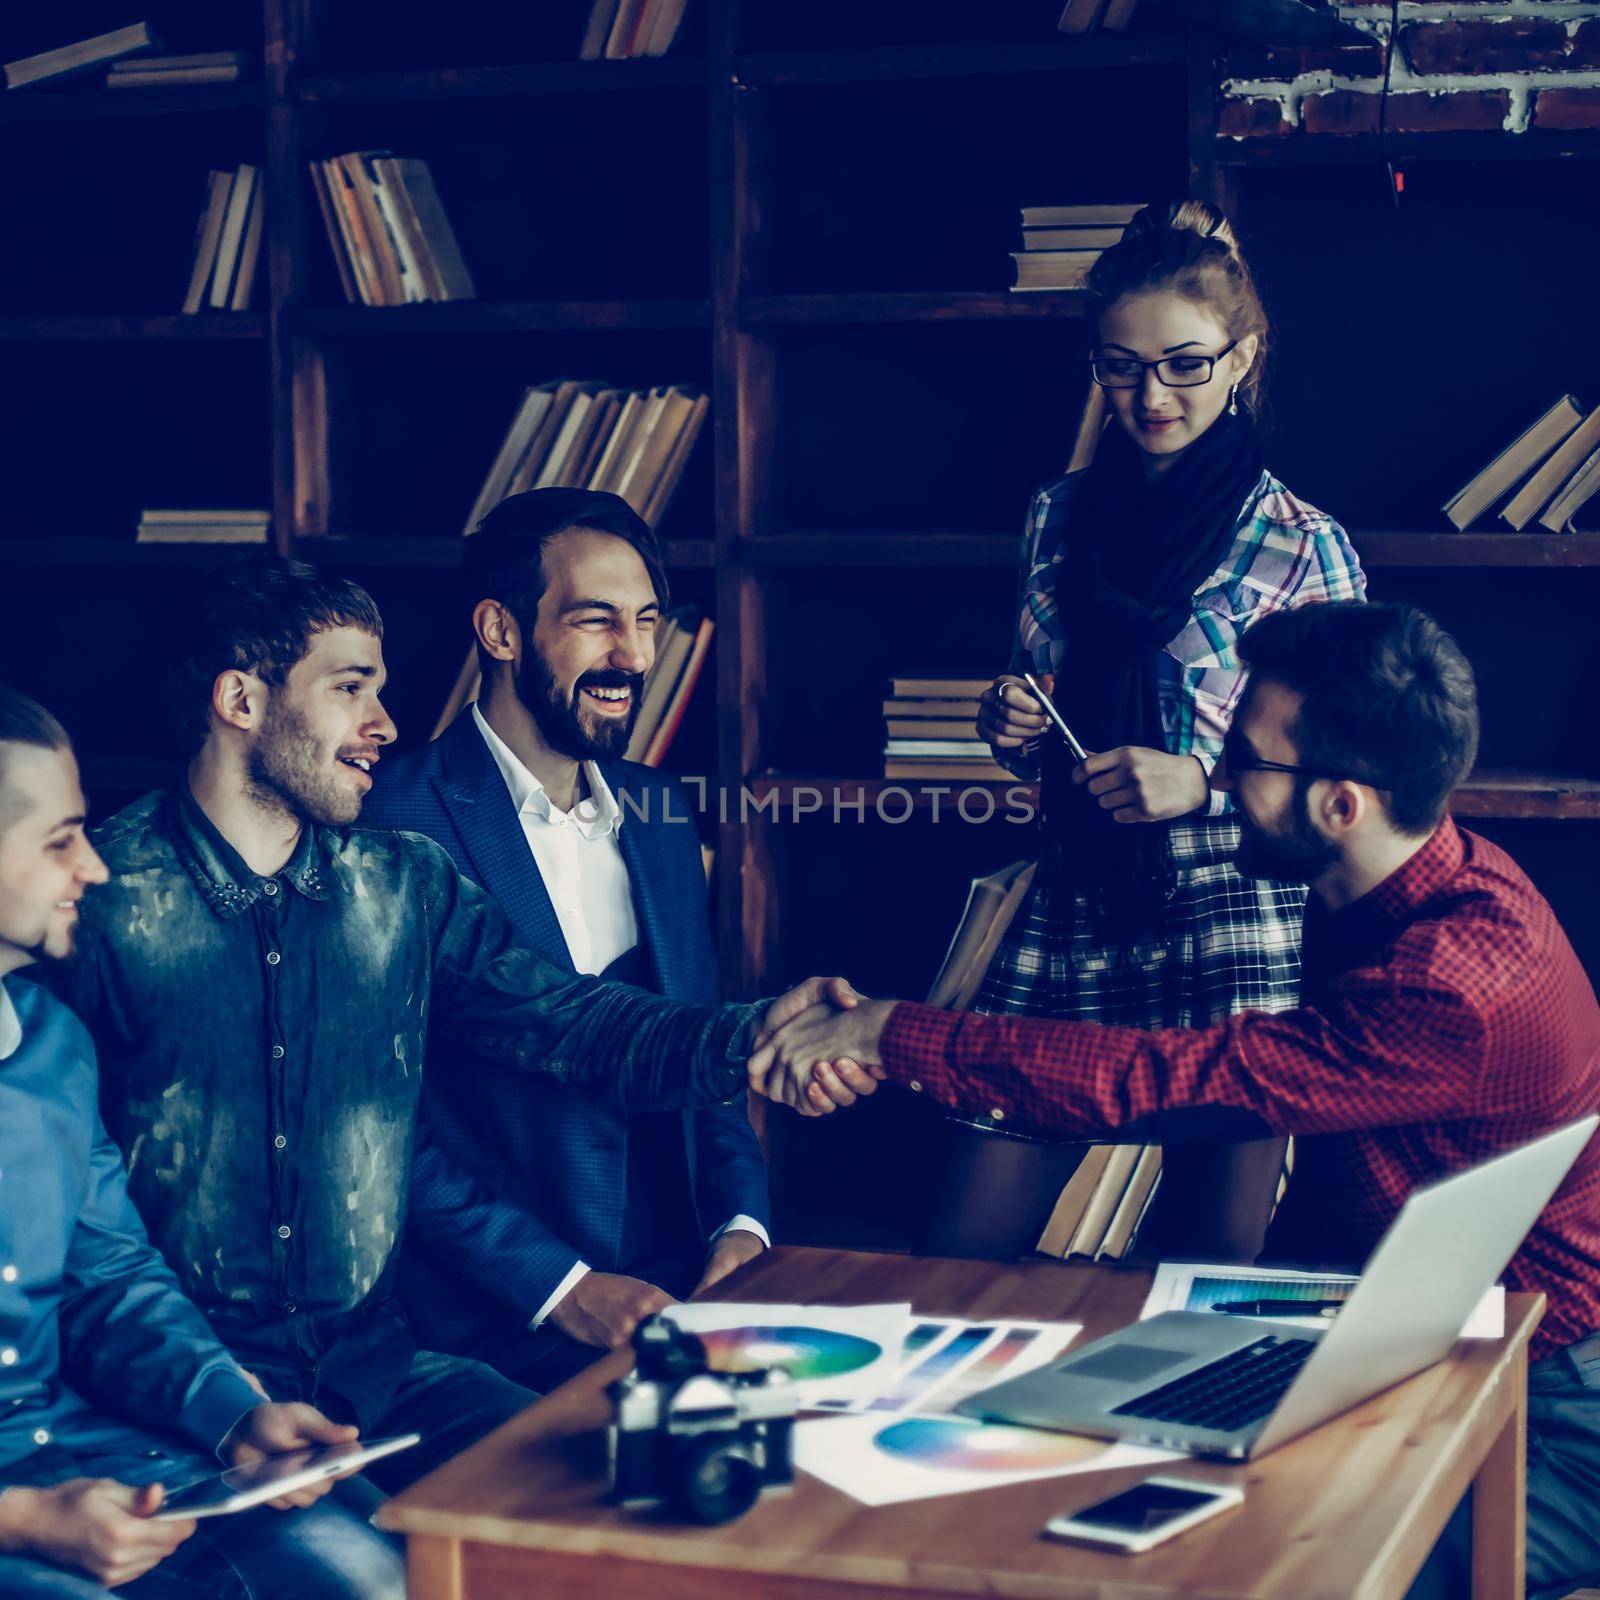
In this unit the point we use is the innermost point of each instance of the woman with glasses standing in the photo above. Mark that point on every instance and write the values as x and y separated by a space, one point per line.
1139 575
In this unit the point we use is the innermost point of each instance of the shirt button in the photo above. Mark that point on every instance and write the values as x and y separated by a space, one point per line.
283 1230
998 1114
8 1357
9 1274
290 1307
273 958
279 1142
41 1436
269 888
277 1052
915 1085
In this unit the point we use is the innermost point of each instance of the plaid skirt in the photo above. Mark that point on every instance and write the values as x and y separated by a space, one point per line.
1227 943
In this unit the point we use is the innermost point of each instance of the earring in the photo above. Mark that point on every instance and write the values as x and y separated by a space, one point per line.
1233 401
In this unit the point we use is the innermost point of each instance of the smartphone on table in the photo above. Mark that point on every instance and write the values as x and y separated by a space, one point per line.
1146 1515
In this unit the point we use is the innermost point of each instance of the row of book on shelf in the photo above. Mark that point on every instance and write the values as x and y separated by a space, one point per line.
621 29
1098 1212
227 242
929 731
202 525
391 239
574 433
1061 243
1557 464
133 58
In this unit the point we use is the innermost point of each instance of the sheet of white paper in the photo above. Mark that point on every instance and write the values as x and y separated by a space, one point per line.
832 1352
883 1461
1197 1286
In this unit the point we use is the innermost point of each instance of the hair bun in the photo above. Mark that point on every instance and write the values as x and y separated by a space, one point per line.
1183 216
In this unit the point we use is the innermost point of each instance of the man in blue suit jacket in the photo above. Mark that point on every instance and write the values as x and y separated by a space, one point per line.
586 1218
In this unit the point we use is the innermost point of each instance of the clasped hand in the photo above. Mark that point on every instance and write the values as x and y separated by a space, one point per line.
1136 784
819 1047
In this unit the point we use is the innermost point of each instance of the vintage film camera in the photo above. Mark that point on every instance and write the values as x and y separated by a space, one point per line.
706 1442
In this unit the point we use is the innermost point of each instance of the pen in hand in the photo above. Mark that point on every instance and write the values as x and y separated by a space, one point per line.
1279 1308
1078 752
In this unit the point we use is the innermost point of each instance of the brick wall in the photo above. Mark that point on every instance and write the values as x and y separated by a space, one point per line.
1474 66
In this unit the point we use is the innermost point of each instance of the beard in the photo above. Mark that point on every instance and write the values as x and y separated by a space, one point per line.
290 770
1291 852
560 717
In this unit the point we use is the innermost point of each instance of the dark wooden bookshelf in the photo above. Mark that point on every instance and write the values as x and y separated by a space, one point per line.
1474 549
1335 150
445 84
958 305
444 555
970 59
62 328
54 105
481 316
1497 796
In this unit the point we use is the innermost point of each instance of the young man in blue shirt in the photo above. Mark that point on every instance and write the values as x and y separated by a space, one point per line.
111 1383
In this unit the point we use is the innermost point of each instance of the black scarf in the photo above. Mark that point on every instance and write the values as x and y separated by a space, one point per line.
1136 548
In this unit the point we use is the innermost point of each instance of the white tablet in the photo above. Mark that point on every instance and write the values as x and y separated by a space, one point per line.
239 1488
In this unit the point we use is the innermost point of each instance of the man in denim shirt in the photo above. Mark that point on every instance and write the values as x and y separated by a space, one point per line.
261 978
111 1384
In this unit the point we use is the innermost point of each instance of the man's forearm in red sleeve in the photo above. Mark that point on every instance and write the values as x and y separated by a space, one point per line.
1304 1071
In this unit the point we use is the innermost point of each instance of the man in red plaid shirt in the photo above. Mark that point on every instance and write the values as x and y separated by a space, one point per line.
1444 1018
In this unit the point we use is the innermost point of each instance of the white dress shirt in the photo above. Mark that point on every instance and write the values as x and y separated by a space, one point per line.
579 856
10 1024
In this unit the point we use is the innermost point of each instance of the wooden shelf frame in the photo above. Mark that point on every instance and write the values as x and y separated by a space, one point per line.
44 105
490 316
1498 796
1292 150
119 326
1090 52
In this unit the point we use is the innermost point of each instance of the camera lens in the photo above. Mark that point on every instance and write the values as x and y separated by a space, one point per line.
717 1480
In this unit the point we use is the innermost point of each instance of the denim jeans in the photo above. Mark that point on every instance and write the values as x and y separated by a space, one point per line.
1563 1495
325 1552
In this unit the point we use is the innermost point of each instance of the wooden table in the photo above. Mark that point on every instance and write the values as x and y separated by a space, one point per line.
1349 1510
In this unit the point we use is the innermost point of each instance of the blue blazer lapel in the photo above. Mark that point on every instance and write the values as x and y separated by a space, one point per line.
479 806
652 894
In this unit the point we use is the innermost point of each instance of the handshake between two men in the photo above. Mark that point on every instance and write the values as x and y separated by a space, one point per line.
820 1047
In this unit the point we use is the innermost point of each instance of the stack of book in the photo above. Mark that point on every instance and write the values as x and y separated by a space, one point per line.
204 527
1061 243
83 56
1081 16
930 732
576 434
227 242
1098 1212
682 639
1559 457
622 28
391 240
163 72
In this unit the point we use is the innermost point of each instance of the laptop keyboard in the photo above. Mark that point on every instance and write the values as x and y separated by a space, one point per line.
1226 1394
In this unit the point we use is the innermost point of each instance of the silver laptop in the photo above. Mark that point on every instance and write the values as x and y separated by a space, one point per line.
1220 1385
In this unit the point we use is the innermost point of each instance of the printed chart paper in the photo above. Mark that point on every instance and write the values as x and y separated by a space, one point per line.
945 1359
1199 1286
882 1462
831 1352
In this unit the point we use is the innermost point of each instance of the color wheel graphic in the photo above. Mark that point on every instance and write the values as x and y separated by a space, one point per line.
801 1352
954 1444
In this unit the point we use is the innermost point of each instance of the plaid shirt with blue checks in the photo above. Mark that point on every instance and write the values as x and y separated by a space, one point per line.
1284 553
